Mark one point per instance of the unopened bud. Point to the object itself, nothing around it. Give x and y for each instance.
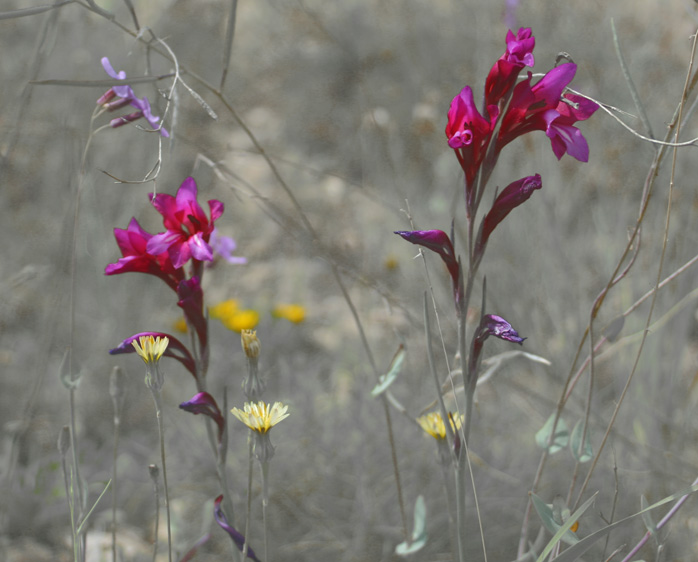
(250, 343)
(154, 472)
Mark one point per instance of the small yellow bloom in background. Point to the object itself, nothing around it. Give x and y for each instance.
(391, 263)
(294, 313)
(150, 348)
(223, 309)
(261, 417)
(433, 424)
(180, 325)
(241, 320)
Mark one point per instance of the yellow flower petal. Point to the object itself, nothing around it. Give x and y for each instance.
(180, 325)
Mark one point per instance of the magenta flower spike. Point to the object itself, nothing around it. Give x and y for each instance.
(188, 228)
(439, 242)
(502, 77)
(133, 242)
(204, 403)
(513, 195)
(175, 349)
(237, 537)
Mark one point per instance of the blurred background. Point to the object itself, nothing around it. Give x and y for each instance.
(349, 101)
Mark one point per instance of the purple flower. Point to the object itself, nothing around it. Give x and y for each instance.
(439, 242)
(125, 97)
(204, 403)
(175, 349)
(224, 246)
(492, 325)
(237, 537)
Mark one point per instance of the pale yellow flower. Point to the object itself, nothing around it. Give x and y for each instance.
(250, 343)
(150, 348)
(259, 416)
(433, 424)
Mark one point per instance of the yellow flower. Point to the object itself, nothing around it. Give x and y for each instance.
(150, 348)
(391, 263)
(261, 417)
(180, 325)
(223, 309)
(433, 424)
(241, 320)
(294, 313)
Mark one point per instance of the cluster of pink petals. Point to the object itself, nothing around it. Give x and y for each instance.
(187, 235)
(538, 107)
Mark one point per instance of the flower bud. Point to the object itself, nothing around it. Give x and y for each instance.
(250, 343)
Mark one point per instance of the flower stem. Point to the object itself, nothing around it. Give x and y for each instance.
(161, 431)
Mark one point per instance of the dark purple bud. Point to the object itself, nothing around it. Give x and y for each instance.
(439, 242)
(175, 349)
(511, 197)
(496, 326)
(237, 537)
(204, 403)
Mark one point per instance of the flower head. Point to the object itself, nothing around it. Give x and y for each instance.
(133, 242)
(261, 417)
(542, 107)
(150, 348)
(493, 325)
(250, 343)
(433, 424)
(188, 228)
(175, 348)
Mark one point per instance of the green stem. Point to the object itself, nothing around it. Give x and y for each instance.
(161, 430)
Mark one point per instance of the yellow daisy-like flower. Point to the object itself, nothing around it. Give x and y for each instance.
(294, 313)
(433, 424)
(261, 417)
(150, 348)
(223, 309)
(241, 320)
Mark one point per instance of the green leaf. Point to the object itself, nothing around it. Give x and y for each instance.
(575, 552)
(647, 517)
(87, 516)
(419, 533)
(384, 381)
(547, 515)
(587, 453)
(562, 435)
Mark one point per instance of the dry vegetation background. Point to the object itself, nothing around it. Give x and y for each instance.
(349, 99)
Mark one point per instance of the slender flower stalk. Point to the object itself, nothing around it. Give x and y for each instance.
(154, 473)
(151, 349)
(117, 391)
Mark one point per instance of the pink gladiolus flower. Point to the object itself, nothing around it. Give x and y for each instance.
(469, 133)
(133, 242)
(540, 108)
(491, 325)
(502, 77)
(188, 228)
